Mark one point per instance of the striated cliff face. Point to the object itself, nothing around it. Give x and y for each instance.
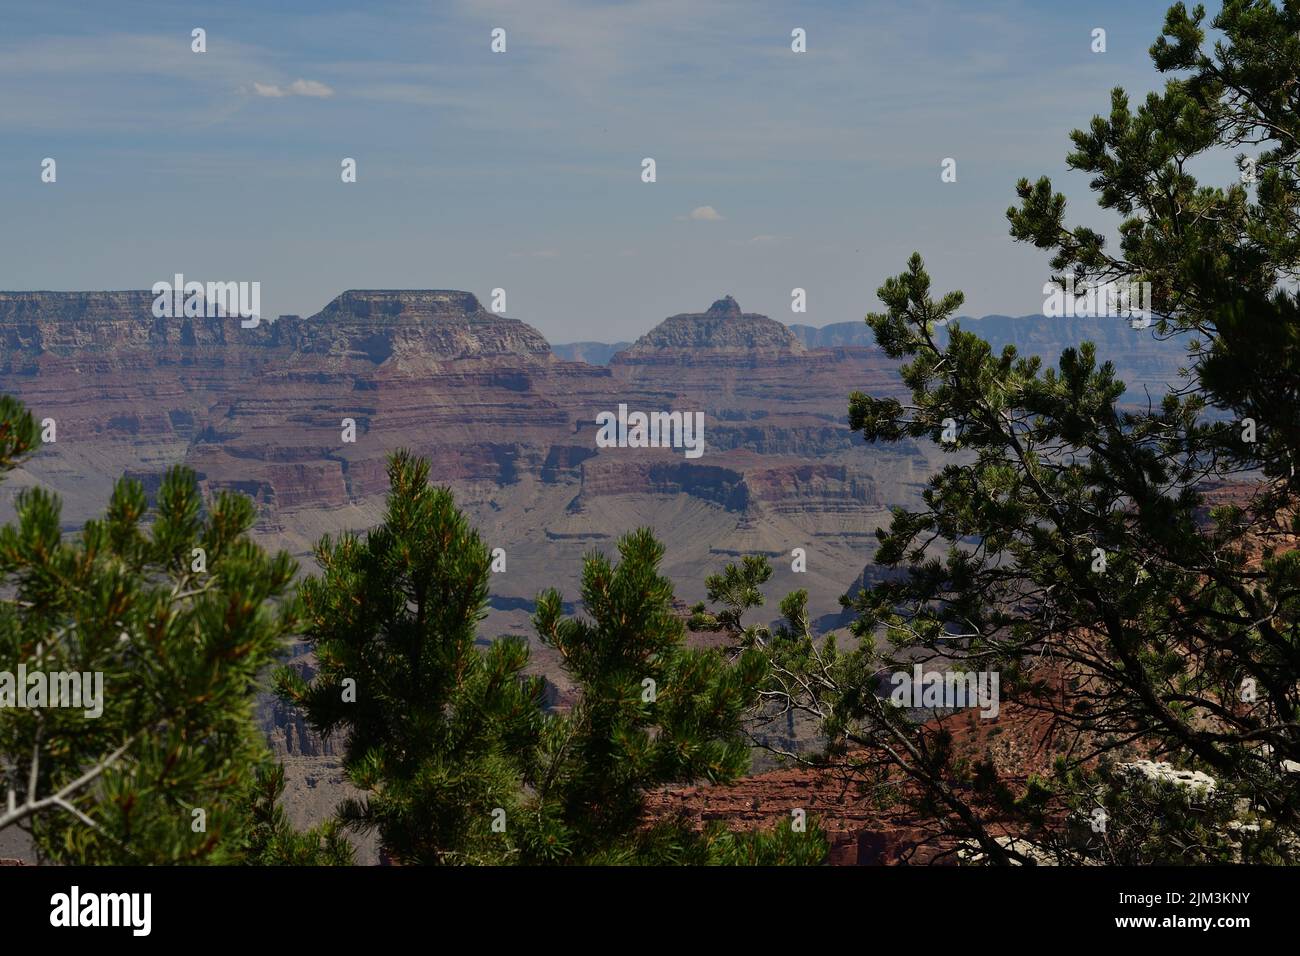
(745, 484)
(93, 323)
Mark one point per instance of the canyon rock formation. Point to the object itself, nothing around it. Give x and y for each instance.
(505, 420)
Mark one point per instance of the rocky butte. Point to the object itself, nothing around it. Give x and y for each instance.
(379, 325)
(722, 335)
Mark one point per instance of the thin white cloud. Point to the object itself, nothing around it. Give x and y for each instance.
(706, 214)
(312, 88)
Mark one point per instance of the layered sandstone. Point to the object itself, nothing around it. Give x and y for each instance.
(379, 325)
(94, 323)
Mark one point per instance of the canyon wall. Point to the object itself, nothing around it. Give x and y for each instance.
(511, 426)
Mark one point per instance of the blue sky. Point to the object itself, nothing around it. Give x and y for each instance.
(522, 170)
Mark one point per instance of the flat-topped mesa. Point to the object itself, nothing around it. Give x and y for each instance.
(66, 323)
(416, 323)
(722, 333)
(402, 306)
(370, 325)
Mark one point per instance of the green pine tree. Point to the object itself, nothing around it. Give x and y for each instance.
(433, 724)
(448, 735)
(271, 840)
(1069, 545)
(166, 617)
(651, 712)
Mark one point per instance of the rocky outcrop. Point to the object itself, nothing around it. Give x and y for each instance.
(722, 335)
(664, 475)
(378, 325)
(1157, 773)
(744, 483)
(869, 824)
(970, 853)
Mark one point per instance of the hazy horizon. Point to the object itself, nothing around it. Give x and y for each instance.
(789, 320)
(522, 170)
